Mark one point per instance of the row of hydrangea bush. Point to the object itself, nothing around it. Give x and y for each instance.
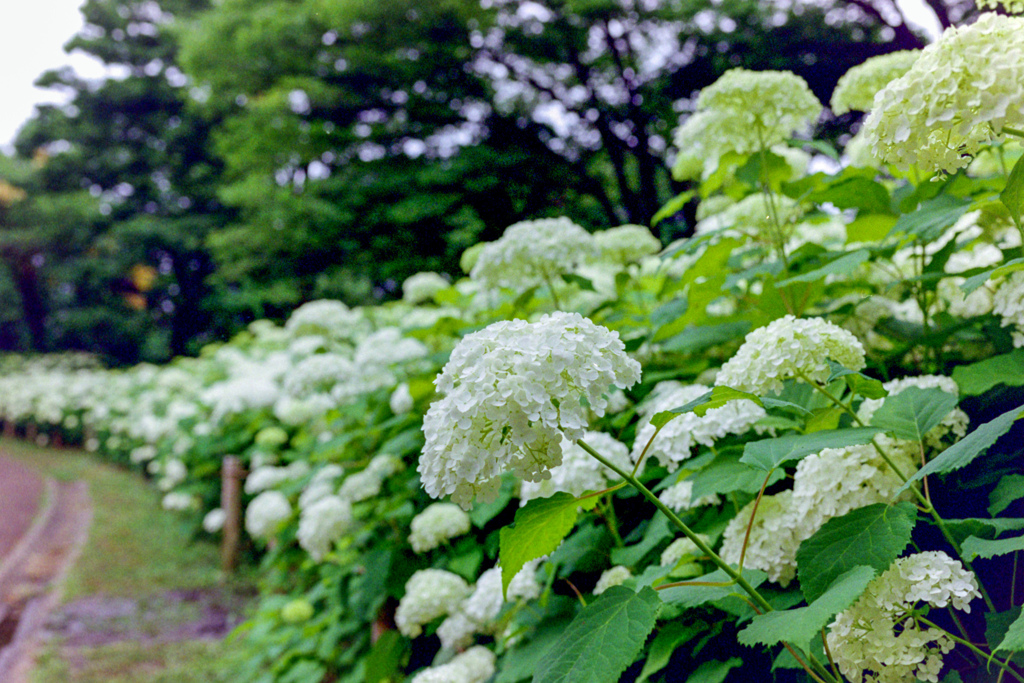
(785, 448)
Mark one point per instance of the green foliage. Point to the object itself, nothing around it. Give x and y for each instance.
(769, 454)
(1009, 489)
(603, 639)
(977, 378)
(984, 548)
(913, 413)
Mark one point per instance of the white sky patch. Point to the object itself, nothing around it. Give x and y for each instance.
(32, 36)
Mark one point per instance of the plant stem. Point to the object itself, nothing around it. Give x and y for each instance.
(974, 648)
(1013, 131)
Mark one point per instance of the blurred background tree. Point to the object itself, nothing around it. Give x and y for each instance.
(245, 156)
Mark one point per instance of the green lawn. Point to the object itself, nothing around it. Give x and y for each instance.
(136, 553)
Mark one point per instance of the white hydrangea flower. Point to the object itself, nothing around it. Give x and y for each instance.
(754, 217)
(429, 594)
(510, 392)
(478, 612)
(675, 442)
(214, 520)
(435, 525)
(680, 548)
(265, 513)
(323, 483)
(1008, 304)
(679, 497)
(857, 88)
(475, 665)
(790, 348)
(959, 94)
(270, 476)
(533, 253)
(422, 287)
(401, 400)
(322, 523)
(179, 502)
(579, 471)
(615, 576)
(876, 641)
(773, 538)
(626, 244)
(386, 347)
(328, 318)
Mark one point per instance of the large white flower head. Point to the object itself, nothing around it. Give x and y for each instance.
(1008, 304)
(790, 348)
(773, 538)
(322, 523)
(328, 318)
(679, 497)
(680, 548)
(266, 513)
(615, 576)
(510, 393)
(475, 665)
(478, 612)
(626, 244)
(533, 253)
(429, 594)
(960, 94)
(744, 112)
(579, 471)
(435, 525)
(857, 88)
(875, 640)
(675, 442)
(422, 287)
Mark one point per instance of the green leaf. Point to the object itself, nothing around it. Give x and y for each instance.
(1012, 195)
(1013, 641)
(768, 454)
(983, 548)
(960, 529)
(699, 337)
(975, 281)
(669, 637)
(385, 660)
(716, 398)
(539, 527)
(798, 626)
(859, 383)
(672, 206)
(603, 639)
(727, 474)
(657, 531)
(846, 263)
(932, 218)
(1009, 489)
(583, 283)
(913, 412)
(869, 228)
(967, 449)
(520, 662)
(874, 536)
(714, 671)
(784, 405)
(996, 626)
(977, 378)
(485, 512)
(694, 596)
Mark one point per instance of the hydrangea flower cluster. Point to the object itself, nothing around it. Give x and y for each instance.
(875, 640)
(751, 217)
(510, 393)
(679, 497)
(478, 612)
(322, 523)
(531, 253)
(674, 443)
(773, 543)
(789, 348)
(743, 111)
(368, 483)
(579, 472)
(960, 94)
(429, 594)
(613, 576)
(626, 244)
(422, 287)
(680, 548)
(1008, 303)
(857, 88)
(435, 525)
(475, 665)
(328, 318)
(265, 513)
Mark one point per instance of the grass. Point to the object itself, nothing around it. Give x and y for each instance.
(140, 555)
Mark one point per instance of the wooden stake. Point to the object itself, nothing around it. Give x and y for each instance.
(231, 503)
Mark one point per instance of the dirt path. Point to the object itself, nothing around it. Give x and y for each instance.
(21, 491)
(39, 556)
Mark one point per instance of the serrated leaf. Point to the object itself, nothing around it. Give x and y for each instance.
(932, 218)
(977, 378)
(996, 626)
(975, 281)
(694, 596)
(603, 639)
(961, 529)
(539, 527)
(873, 536)
(798, 626)
(1013, 641)
(784, 405)
(1009, 489)
(840, 266)
(1012, 195)
(967, 449)
(768, 454)
(983, 548)
(669, 637)
(714, 671)
(716, 398)
(727, 474)
(913, 412)
(858, 382)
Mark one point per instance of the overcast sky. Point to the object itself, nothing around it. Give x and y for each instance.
(32, 35)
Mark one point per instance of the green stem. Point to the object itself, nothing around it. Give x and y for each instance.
(1013, 131)
(974, 648)
(551, 288)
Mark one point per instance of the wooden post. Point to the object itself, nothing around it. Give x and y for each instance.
(231, 503)
(31, 432)
(9, 429)
(57, 440)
